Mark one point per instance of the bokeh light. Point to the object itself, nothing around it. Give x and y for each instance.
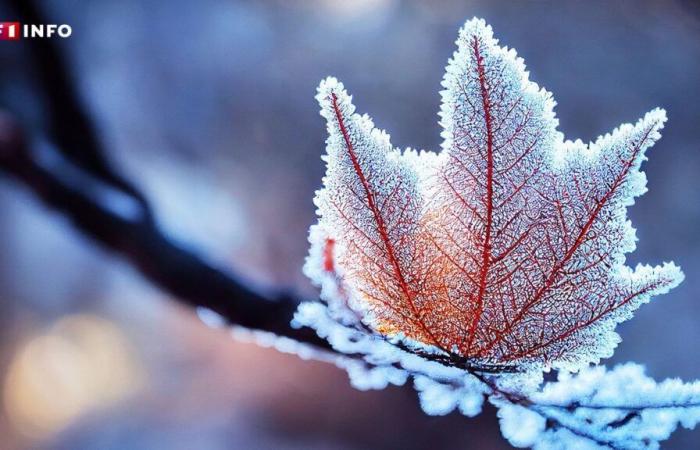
(82, 363)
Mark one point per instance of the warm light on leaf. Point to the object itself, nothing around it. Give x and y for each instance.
(504, 250)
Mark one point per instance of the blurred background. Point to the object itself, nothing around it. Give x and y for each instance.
(208, 108)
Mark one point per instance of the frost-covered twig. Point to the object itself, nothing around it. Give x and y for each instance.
(621, 407)
(504, 251)
(595, 408)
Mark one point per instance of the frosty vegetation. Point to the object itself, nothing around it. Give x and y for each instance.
(507, 248)
(473, 271)
(595, 408)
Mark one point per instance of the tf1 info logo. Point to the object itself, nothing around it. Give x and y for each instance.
(12, 31)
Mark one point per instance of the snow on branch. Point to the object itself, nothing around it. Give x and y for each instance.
(477, 269)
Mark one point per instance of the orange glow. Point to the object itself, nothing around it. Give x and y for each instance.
(82, 363)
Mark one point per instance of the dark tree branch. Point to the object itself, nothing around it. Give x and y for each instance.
(69, 189)
(74, 177)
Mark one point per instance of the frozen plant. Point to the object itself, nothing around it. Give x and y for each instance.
(476, 269)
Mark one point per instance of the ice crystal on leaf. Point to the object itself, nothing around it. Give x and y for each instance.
(476, 268)
(507, 248)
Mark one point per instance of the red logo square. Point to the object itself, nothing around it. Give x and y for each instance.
(10, 31)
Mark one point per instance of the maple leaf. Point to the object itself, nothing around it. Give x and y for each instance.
(504, 250)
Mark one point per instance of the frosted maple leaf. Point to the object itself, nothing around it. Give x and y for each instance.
(473, 270)
(504, 251)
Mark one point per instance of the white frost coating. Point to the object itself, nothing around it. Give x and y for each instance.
(371, 234)
(621, 408)
(438, 399)
(210, 318)
(391, 362)
(563, 183)
(363, 376)
(326, 280)
(441, 388)
(349, 340)
(519, 425)
(595, 408)
(371, 208)
(508, 247)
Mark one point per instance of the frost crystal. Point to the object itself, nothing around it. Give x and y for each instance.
(620, 408)
(506, 249)
(502, 256)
